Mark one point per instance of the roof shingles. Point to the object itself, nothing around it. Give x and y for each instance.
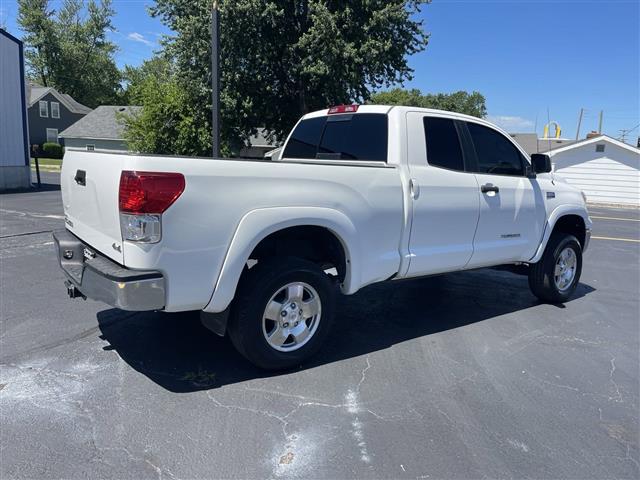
(36, 92)
(101, 123)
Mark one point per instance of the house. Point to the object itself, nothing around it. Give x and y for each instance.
(532, 144)
(605, 169)
(14, 134)
(102, 129)
(258, 145)
(50, 112)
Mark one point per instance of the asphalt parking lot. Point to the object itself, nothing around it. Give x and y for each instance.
(460, 376)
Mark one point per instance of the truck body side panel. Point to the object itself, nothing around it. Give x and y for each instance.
(198, 229)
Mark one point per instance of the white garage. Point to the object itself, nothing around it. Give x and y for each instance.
(605, 169)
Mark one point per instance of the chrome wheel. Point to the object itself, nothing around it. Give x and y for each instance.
(565, 269)
(291, 317)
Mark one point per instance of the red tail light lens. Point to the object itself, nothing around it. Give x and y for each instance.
(343, 109)
(149, 192)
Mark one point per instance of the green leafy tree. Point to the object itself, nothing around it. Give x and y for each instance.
(68, 48)
(281, 59)
(157, 68)
(168, 123)
(461, 102)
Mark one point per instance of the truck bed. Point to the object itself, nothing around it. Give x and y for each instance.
(232, 203)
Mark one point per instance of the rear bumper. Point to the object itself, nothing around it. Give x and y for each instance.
(95, 276)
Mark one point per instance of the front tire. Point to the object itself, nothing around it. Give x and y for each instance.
(555, 277)
(282, 312)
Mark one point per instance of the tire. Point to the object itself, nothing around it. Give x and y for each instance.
(542, 275)
(280, 342)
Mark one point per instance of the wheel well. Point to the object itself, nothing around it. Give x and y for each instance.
(573, 225)
(313, 243)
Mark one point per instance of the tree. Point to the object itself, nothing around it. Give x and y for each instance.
(281, 59)
(461, 102)
(182, 128)
(135, 78)
(68, 48)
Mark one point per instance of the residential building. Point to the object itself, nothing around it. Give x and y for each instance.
(532, 144)
(605, 169)
(51, 112)
(102, 129)
(258, 145)
(14, 148)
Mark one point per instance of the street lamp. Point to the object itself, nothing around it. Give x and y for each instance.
(215, 80)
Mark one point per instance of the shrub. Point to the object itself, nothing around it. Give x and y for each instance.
(52, 150)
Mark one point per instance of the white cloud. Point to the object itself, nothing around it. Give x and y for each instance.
(511, 124)
(138, 37)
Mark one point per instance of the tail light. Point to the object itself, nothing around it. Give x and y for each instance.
(143, 197)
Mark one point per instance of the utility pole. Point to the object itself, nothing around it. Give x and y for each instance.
(623, 135)
(626, 131)
(215, 80)
(600, 122)
(579, 124)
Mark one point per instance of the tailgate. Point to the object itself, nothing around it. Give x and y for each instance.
(90, 183)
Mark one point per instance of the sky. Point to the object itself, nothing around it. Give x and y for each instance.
(533, 60)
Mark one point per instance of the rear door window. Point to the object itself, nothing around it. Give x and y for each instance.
(495, 153)
(443, 144)
(360, 137)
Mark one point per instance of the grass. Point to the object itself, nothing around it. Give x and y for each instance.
(51, 164)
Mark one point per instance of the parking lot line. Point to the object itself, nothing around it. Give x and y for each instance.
(617, 218)
(617, 239)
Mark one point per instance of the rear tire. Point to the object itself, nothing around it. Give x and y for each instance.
(555, 277)
(282, 312)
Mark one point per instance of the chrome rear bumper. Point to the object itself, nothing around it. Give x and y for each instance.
(92, 275)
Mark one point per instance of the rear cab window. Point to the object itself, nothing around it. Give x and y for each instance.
(443, 144)
(349, 137)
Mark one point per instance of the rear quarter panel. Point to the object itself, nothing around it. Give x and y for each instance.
(198, 229)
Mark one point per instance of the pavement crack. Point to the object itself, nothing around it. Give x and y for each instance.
(618, 395)
(280, 394)
(32, 214)
(352, 400)
(363, 374)
(25, 234)
(66, 341)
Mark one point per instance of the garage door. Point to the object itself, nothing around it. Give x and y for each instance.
(605, 181)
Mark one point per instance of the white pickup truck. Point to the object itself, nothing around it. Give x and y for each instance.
(358, 195)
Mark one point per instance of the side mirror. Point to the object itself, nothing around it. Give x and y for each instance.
(541, 163)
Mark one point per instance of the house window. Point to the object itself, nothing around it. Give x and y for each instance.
(91, 148)
(44, 108)
(52, 135)
(55, 110)
(600, 148)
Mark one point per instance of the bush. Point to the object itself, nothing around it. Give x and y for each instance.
(52, 150)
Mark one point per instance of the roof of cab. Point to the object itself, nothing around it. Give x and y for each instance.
(385, 109)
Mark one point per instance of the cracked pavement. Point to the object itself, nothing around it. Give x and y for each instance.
(460, 376)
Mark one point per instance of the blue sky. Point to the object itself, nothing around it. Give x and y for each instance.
(525, 56)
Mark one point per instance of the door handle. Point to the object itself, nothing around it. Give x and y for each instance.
(489, 187)
(81, 177)
(414, 188)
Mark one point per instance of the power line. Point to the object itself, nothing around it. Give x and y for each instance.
(626, 131)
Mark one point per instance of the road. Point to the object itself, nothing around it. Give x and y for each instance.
(461, 376)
